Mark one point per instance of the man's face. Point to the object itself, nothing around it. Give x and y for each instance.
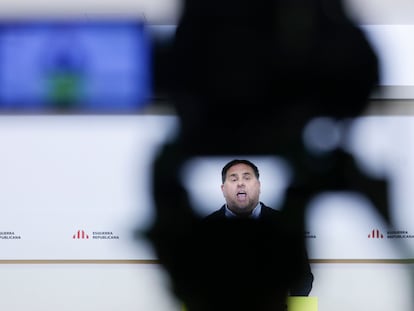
(241, 189)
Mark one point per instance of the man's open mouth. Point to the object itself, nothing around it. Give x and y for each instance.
(241, 195)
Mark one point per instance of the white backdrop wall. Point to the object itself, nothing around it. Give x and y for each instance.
(61, 175)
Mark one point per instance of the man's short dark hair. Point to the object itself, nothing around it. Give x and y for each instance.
(238, 161)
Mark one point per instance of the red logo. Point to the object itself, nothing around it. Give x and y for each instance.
(375, 234)
(80, 235)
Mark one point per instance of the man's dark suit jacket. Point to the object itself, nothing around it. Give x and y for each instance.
(287, 246)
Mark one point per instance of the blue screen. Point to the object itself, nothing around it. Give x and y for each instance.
(75, 66)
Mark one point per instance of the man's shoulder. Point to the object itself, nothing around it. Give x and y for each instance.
(269, 211)
(271, 214)
(218, 214)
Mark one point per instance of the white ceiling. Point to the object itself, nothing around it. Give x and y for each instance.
(167, 11)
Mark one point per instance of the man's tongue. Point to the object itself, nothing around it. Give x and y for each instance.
(241, 196)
